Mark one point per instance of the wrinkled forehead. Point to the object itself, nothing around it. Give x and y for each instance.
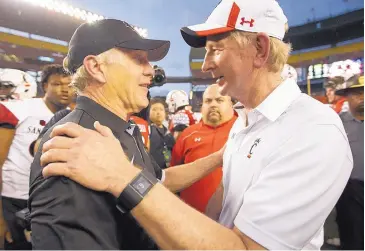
(218, 40)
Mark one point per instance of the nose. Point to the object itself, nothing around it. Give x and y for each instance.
(66, 88)
(148, 71)
(208, 64)
(214, 103)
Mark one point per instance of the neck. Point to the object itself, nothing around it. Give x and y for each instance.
(52, 106)
(112, 104)
(261, 87)
(158, 124)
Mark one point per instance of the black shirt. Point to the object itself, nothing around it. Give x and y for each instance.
(66, 215)
(159, 139)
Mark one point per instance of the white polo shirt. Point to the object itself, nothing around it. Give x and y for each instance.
(284, 172)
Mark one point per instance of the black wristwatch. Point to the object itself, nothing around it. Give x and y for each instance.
(135, 191)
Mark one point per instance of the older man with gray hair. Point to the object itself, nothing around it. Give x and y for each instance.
(112, 73)
(281, 174)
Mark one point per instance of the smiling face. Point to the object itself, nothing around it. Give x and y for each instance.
(247, 64)
(128, 74)
(229, 62)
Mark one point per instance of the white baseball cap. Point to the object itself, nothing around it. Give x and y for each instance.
(246, 15)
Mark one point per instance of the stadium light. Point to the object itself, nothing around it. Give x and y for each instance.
(62, 7)
(67, 9)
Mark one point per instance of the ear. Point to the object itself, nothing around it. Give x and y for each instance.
(94, 68)
(262, 50)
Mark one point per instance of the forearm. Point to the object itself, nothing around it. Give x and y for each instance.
(183, 176)
(175, 225)
(214, 207)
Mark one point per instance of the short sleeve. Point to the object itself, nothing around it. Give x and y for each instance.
(177, 155)
(289, 202)
(7, 118)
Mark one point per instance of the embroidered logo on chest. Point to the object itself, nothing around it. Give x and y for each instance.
(255, 144)
(197, 139)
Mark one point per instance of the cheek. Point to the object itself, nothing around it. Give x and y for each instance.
(205, 109)
(53, 90)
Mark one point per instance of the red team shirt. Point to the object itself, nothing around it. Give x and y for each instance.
(195, 142)
(338, 105)
(184, 117)
(143, 128)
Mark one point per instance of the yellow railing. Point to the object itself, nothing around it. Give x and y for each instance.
(27, 42)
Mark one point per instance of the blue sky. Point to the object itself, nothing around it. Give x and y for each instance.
(164, 18)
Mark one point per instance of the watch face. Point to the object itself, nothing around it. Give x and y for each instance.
(141, 184)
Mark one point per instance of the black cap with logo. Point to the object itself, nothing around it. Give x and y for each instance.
(100, 36)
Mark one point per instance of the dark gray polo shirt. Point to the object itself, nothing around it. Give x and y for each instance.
(355, 133)
(66, 215)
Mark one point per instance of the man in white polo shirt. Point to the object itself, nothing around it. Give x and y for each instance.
(281, 174)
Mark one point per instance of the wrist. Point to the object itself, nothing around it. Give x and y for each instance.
(135, 191)
(120, 182)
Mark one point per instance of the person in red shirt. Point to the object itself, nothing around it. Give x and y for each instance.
(144, 128)
(178, 106)
(202, 139)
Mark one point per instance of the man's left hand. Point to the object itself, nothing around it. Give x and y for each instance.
(95, 159)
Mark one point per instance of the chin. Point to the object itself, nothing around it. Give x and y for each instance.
(143, 103)
(64, 102)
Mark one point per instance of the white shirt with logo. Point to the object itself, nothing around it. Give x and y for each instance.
(284, 172)
(32, 115)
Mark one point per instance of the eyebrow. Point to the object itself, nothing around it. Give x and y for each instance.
(214, 44)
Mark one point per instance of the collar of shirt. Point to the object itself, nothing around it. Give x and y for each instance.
(274, 105)
(99, 113)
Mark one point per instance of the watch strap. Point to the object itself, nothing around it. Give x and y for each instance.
(135, 191)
